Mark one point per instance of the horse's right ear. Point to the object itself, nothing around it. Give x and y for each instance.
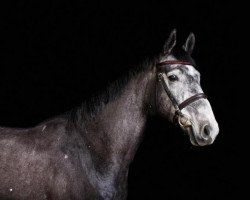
(170, 43)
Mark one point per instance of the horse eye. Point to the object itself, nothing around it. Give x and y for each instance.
(173, 78)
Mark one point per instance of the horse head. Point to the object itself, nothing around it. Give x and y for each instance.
(179, 96)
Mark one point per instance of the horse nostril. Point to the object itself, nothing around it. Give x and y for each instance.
(205, 134)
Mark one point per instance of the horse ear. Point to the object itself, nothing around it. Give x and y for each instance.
(170, 43)
(189, 44)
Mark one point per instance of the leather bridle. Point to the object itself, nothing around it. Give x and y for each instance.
(179, 118)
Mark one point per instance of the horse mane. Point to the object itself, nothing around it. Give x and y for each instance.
(90, 107)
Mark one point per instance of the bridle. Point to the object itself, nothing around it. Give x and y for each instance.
(179, 118)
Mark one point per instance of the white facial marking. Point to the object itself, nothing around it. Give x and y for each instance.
(66, 156)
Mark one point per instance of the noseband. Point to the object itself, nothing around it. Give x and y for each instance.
(179, 118)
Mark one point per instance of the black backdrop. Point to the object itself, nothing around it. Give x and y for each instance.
(55, 54)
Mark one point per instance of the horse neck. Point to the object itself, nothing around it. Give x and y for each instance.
(114, 134)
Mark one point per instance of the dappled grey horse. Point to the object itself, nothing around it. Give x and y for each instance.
(85, 153)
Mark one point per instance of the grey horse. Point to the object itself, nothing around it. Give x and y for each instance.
(85, 154)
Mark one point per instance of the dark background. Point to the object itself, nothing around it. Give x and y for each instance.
(56, 54)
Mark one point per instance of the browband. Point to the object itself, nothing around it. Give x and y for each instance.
(172, 62)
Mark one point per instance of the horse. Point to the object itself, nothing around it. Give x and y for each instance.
(85, 153)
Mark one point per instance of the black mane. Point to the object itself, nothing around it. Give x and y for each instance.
(89, 107)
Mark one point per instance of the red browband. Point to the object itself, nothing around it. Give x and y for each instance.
(172, 62)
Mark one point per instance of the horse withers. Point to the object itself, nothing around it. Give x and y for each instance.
(85, 154)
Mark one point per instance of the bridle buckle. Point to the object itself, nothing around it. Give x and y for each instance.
(184, 121)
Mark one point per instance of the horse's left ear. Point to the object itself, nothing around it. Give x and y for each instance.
(189, 44)
(170, 43)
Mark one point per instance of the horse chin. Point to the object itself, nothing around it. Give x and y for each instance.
(194, 138)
